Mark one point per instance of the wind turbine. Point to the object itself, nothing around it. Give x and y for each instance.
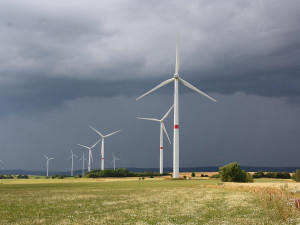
(114, 161)
(83, 158)
(71, 157)
(102, 144)
(47, 164)
(176, 108)
(162, 129)
(90, 153)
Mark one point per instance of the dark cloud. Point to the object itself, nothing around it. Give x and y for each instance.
(67, 64)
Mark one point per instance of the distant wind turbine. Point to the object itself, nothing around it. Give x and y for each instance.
(114, 161)
(47, 164)
(176, 108)
(102, 144)
(162, 129)
(71, 157)
(90, 153)
(83, 158)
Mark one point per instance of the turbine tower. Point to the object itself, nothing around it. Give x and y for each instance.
(114, 160)
(47, 164)
(83, 158)
(90, 153)
(162, 129)
(71, 157)
(176, 108)
(102, 144)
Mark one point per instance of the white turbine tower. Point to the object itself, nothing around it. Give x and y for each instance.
(83, 158)
(102, 144)
(162, 129)
(114, 161)
(47, 164)
(176, 108)
(71, 157)
(90, 153)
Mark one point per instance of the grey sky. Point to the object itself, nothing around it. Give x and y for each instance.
(68, 64)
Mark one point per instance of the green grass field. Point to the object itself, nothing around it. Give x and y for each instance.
(133, 201)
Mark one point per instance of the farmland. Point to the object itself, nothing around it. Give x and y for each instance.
(149, 201)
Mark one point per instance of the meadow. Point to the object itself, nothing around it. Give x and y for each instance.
(149, 201)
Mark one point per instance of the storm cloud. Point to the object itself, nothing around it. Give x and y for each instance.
(59, 55)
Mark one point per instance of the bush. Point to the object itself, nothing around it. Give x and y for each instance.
(278, 175)
(78, 176)
(233, 173)
(296, 176)
(193, 174)
(60, 177)
(215, 176)
(22, 177)
(54, 176)
(259, 174)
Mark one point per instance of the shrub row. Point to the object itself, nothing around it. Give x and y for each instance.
(6, 176)
(278, 175)
(121, 172)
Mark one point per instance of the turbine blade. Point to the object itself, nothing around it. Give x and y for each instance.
(113, 155)
(111, 133)
(177, 56)
(95, 144)
(84, 146)
(75, 156)
(117, 159)
(152, 119)
(96, 131)
(45, 156)
(157, 87)
(165, 130)
(51, 158)
(92, 156)
(195, 89)
(112, 162)
(165, 116)
(69, 157)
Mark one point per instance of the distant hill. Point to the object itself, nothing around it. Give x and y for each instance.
(133, 169)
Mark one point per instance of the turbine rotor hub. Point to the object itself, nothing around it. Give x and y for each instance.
(176, 76)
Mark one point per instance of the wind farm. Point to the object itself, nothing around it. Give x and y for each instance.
(157, 112)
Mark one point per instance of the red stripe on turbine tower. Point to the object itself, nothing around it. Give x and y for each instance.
(102, 158)
(161, 147)
(176, 126)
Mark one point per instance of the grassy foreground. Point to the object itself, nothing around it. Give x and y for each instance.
(133, 201)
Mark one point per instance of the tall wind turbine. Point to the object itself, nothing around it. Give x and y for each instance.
(176, 108)
(71, 157)
(83, 158)
(90, 153)
(102, 144)
(162, 129)
(114, 160)
(47, 164)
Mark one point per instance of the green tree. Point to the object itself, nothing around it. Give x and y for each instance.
(233, 173)
(193, 174)
(296, 176)
(259, 174)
